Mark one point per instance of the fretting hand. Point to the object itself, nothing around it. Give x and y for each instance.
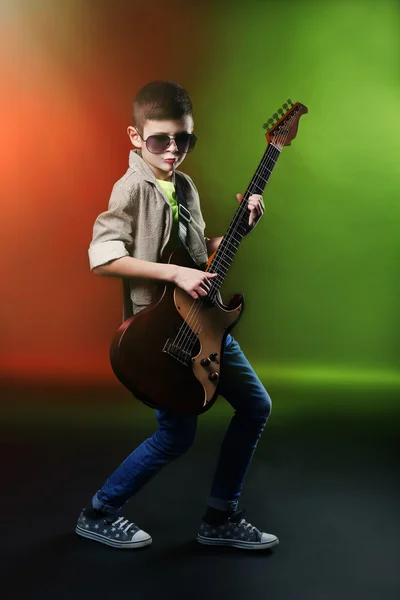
(256, 207)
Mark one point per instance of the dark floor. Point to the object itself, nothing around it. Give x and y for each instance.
(326, 483)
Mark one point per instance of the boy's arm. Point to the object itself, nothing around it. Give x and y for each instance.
(109, 251)
(193, 281)
(128, 267)
(113, 232)
(133, 267)
(212, 244)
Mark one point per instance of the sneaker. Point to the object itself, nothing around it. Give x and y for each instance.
(237, 532)
(112, 530)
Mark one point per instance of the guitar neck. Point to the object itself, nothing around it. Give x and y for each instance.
(239, 225)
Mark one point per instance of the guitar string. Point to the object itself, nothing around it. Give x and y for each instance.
(190, 326)
(189, 335)
(266, 161)
(237, 222)
(195, 307)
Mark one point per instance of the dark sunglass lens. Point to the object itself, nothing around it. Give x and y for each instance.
(157, 143)
(185, 142)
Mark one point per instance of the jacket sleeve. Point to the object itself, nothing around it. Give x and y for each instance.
(113, 229)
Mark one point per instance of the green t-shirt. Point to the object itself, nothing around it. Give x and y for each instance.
(169, 190)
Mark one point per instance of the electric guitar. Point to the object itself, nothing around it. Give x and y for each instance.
(170, 355)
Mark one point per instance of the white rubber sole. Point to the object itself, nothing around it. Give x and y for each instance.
(236, 543)
(97, 537)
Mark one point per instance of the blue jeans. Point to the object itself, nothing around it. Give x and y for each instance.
(240, 386)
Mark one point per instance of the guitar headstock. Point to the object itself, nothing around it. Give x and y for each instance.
(282, 126)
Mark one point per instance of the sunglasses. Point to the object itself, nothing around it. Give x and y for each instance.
(157, 144)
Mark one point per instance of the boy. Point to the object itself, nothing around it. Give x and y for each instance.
(143, 219)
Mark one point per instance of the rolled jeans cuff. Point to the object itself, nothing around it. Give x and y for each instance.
(220, 504)
(105, 508)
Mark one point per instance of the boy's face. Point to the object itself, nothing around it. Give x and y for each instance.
(157, 162)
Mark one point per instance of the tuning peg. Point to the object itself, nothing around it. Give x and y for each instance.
(276, 116)
(285, 106)
(280, 111)
(290, 102)
(268, 124)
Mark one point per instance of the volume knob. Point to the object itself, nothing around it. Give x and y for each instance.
(205, 362)
(213, 376)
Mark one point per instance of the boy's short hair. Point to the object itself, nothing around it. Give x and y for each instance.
(160, 100)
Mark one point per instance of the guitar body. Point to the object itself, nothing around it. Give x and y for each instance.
(157, 364)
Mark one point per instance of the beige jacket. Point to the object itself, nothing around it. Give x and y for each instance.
(138, 223)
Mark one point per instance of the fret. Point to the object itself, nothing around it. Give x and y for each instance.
(219, 280)
(258, 187)
(232, 229)
(224, 255)
(265, 172)
(272, 145)
(241, 235)
(218, 283)
(242, 226)
(240, 216)
(231, 243)
(239, 225)
(263, 178)
(218, 260)
(235, 239)
(231, 239)
(264, 168)
(221, 267)
(222, 261)
(230, 251)
(234, 243)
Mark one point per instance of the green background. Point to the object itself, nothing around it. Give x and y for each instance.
(321, 271)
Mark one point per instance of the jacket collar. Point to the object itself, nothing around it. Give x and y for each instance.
(139, 164)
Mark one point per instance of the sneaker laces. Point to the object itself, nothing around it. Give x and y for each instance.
(239, 518)
(121, 522)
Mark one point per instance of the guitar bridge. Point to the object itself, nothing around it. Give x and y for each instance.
(178, 353)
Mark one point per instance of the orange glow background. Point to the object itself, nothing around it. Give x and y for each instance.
(67, 70)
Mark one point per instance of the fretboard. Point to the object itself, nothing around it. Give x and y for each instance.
(239, 225)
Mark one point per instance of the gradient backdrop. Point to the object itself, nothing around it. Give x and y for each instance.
(321, 271)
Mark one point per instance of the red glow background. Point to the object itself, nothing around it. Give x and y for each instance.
(67, 72)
